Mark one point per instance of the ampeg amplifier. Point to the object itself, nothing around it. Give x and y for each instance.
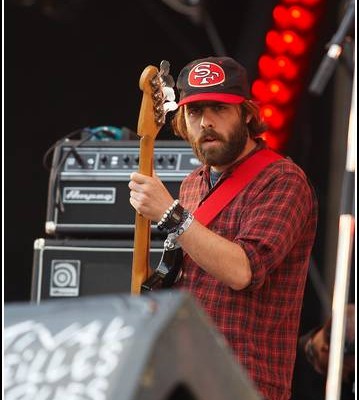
(88, 191)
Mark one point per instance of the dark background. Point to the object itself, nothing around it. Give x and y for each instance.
(73, 64)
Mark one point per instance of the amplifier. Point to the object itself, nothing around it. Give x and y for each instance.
(88, 190)
(84, 267)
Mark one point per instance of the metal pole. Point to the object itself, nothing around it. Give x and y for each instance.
(335, 49)
(343, 263)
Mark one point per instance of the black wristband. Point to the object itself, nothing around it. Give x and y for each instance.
(174, 218)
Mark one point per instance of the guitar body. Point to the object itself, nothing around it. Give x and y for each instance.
(167, 272)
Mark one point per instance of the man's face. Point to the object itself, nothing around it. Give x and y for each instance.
(216, 132)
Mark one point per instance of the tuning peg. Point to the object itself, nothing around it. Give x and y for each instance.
(170, 106)
(168, 80)
(169, 93)
(164, 67)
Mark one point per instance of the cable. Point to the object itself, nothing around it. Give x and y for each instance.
(55, 176)
(52, 147)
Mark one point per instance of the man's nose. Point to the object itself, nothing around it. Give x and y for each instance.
(207, 120)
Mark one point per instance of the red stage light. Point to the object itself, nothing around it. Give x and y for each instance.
(280, 66)
(295, 45)
(294, 17)
(301, 18)
(286, 67)
(275, 140)
(281, 94)
(273, 91)
(272, 116)
(281, 17)
(307, 3)
(268, 68)
(285, 42)
(260, 91)
(272, 140)
(275, 42)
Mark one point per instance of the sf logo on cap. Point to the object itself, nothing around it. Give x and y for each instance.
(206, 74)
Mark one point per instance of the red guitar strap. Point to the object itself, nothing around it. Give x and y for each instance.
(239, 179)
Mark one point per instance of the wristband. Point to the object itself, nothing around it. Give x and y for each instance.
(172, 217)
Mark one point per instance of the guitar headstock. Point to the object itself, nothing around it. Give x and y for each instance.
(158, 98)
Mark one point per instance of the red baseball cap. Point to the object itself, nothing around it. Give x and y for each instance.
(219, 79)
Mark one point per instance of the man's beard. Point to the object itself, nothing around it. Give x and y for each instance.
(224, 153)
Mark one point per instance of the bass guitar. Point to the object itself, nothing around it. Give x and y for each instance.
(157, 99)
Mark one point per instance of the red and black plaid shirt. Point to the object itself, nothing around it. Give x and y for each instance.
(274, 220)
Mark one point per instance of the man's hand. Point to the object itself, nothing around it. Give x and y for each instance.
(148, 196)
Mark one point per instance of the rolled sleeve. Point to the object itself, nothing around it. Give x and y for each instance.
(272, 224)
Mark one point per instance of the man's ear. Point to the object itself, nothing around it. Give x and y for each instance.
(249, 118)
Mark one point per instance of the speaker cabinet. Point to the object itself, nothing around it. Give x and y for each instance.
(76, 268)
(159, 346)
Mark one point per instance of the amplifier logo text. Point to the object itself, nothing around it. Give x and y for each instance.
(89, 195)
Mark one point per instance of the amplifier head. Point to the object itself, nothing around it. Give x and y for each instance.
(88, 187)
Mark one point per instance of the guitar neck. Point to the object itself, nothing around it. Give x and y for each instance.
(140, 262)
(152, 116)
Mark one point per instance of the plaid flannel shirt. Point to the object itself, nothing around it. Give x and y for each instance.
(274, 220)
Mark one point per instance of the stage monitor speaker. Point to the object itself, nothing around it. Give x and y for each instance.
(80, 267)
(159, 346)
(88, 193)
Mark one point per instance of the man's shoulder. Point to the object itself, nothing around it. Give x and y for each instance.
(287, 174)
(287, 165)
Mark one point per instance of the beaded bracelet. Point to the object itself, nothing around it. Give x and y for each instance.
(171, 217)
